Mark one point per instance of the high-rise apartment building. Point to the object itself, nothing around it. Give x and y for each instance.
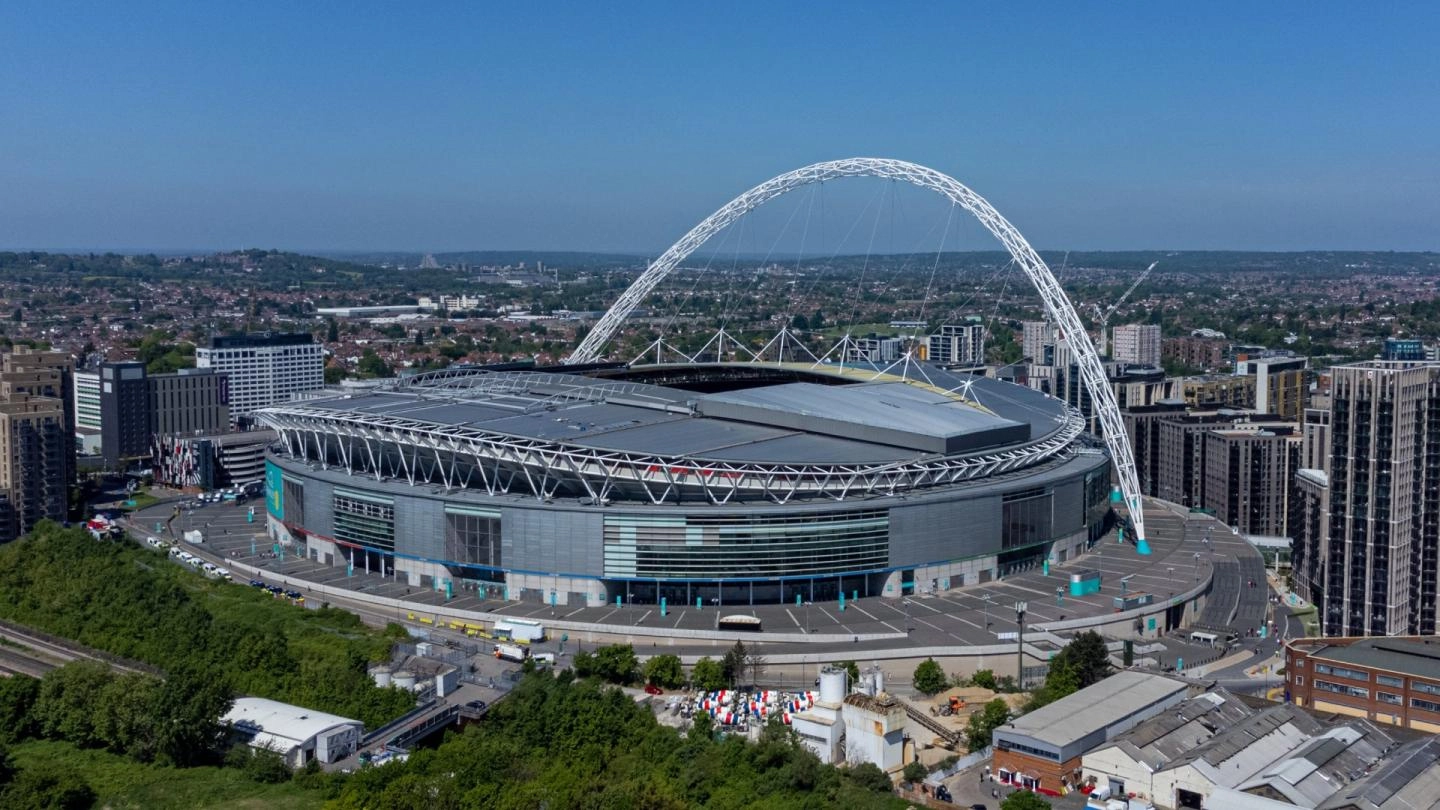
(1034, 336)
(1199, 353)
(1137, 343)
(1279, 384)
(135, 407)
(47, 374)
(875, 349)
(265, 368)
(36, 454)
(87, 412)
(190, 402)
(957, 345)
(87, 400)
(1373, 568)
(124, 412)
(1249, 472)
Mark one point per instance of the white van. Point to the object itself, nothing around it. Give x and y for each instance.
(176, 553)
(208, 568)
(223, 573)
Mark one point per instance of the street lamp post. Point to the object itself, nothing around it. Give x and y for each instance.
(986, 599)
(1020, 644)
(906, 603)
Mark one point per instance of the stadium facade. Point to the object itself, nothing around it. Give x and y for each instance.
(725, 484)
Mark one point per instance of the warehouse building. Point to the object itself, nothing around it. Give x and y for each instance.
(299, 734)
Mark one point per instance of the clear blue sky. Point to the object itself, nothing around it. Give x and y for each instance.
(309, 125)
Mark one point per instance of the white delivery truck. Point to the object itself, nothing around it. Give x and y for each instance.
(511, 652)
(194, 536)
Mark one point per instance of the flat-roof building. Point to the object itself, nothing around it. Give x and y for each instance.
(295, 732)
(1388, 680)
(1041, 751)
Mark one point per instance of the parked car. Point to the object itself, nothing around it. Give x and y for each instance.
(652, 689)
(477, 705)
(223, 573)
(294, 594)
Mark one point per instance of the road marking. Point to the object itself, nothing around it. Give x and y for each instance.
(792, 617)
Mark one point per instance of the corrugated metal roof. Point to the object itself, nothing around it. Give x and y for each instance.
(1095, 707)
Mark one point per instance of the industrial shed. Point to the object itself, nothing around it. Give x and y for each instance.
(297, 733)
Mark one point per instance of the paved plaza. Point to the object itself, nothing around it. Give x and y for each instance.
(1186, 550)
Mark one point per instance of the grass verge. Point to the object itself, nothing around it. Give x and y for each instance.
(123, 784)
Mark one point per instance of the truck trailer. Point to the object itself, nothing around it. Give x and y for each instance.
(511, 652)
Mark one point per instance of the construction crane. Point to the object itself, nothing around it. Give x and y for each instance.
(1100, 342)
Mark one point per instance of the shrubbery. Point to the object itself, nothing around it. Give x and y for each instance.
(130, 602)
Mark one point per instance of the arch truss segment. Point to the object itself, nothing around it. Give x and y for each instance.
(1057, 305)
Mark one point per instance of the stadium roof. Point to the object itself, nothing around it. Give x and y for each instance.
(797, 422)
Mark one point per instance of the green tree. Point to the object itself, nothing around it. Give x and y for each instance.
(853, 671)
(371, 365)
(1024, 800)
(47, 788)
(69, 703)
(7, 767)
(708, 675)
(615, 663)
(664, 670)
(929, 678)
(18, 695)
(869, 776)
(334, 374)
(915, 772)
(985, 679)
(1089, 657)
(733, 664)
(977, 732)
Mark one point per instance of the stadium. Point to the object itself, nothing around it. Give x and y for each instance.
(693, 483)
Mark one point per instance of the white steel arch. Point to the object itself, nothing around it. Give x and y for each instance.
(1057, 305)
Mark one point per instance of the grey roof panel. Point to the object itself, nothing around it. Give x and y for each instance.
(885, 413)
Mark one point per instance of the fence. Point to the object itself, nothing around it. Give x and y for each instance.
(970, 760)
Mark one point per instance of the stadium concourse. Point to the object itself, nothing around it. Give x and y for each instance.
(1191, 554)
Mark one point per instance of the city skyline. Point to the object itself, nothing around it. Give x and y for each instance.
(574, 129)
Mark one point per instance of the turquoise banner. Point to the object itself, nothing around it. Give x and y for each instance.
(274, 491)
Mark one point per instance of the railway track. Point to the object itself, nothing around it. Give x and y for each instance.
(47, 652)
